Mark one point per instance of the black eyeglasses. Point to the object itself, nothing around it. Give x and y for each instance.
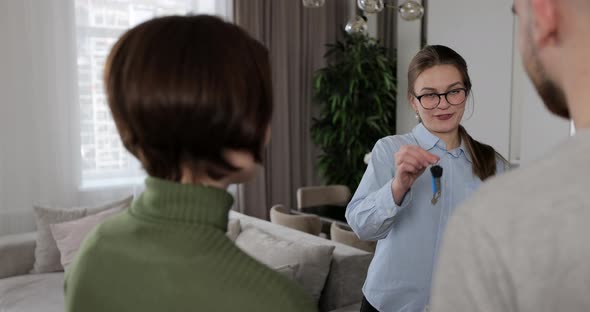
(432, 100)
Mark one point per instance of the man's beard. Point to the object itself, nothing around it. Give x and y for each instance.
(551, 93)
(553, 96)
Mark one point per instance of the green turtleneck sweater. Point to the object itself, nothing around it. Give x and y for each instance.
(169, 252)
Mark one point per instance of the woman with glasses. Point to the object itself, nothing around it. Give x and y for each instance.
(415, 180)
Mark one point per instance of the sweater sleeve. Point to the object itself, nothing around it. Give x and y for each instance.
(471, 275)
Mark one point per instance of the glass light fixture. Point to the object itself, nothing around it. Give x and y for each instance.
(411, 10)
(313, 3)
(356, 25)
(371, 6)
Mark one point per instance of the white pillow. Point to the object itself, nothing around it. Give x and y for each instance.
(313, 260)
(70, 235)
(47, 256)
(233, 229)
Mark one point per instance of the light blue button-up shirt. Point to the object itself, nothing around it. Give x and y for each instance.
(409, 236)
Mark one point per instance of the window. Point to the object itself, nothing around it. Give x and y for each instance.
(99, 23)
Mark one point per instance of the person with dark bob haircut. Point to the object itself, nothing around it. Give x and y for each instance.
(191, 97)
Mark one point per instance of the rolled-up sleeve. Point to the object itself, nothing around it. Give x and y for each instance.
(372, 210)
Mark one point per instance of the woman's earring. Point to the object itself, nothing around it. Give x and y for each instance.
(417, 116)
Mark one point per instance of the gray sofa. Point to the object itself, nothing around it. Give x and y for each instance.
(24, 292)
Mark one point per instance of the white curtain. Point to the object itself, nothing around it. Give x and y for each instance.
(40, 143)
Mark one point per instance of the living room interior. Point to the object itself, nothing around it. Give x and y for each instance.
(62, 160)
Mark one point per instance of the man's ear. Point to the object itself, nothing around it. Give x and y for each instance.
(544, 19)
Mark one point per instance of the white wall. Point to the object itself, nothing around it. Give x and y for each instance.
(408, 44)
(481, 31)
(535, 131)
(509, 115)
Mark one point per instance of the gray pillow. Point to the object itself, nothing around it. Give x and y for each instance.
(47, 256)
(288, 270)
(313, 261)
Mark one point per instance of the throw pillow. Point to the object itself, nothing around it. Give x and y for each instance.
(70, 235)
(288, 270)
(233, 229)
(313, 260)
(47, 256)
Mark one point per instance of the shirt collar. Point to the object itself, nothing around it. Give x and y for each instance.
(428, 141)
(463, 149)
(425, 138)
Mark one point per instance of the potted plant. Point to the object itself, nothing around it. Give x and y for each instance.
(356, 94)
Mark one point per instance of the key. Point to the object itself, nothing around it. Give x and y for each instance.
(434, 200)
(436, 195)
(436, 172)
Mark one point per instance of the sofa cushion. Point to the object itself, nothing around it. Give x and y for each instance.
(347, 272)
(17, 254)
(233, 229)
(32, 292)
(70, 235)
(47, 256)
(288, 270)
(313, 260)
(351, 308)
